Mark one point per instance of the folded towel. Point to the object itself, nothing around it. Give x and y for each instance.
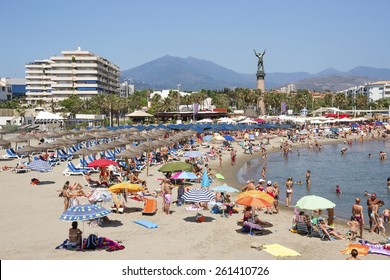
(146, 223)
(278, 250)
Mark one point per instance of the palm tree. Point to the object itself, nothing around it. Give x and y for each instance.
(361, 101)
(341, 100)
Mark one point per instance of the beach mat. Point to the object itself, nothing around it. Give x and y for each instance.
(145, 223)
(278, 250)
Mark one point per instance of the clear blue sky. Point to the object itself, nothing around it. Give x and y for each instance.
(301, 35)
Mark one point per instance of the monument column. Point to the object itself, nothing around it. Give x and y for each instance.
(260, 75)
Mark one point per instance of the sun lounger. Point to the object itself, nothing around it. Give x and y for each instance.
(11, 154)
(72, 171)
(150, 207)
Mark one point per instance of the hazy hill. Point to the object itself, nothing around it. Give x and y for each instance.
(194, 74)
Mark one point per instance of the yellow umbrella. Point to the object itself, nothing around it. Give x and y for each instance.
(127, 186)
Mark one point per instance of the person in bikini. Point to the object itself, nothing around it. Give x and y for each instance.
(75, 234)
(289, 191)
(357, 212)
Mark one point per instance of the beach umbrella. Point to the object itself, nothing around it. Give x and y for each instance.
(224, 188)
(255, 198)
(198, 195)
(193, 154)
(40, 166)
(205, 183)
(27, 150)
(208, 138)
(102, 163)
(83, 213)
(228, 138)
(100, 195)
(313, 202)
(83, 152)
(4, 143)
(185, 175)
(175, 166)
(127, 186)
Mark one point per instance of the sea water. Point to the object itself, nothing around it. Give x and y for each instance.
(355, 172)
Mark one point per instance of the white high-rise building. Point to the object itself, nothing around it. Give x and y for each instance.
(74, 72)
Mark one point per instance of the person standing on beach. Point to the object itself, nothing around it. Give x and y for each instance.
(289, 191)
(357, 212)
(220, 159)
(276, 197)
(370, 203)
(167, 195)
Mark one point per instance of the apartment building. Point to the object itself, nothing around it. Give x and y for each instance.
(374, 91)
(74, 72)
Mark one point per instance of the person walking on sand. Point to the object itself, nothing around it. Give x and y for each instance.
(357, 212)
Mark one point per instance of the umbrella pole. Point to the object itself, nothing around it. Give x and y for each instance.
(82, 243)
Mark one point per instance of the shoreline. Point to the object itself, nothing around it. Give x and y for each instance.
(231, 178)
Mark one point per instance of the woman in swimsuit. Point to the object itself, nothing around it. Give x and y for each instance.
(276, 197)
(289, 191)
(357, 212)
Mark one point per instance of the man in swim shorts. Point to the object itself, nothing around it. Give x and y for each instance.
(357, 212)
(371, 201)
(167, 195)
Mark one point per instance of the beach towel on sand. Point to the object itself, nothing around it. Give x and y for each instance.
(102, 244)
(362, 249)
(278, 250)
(146, 223)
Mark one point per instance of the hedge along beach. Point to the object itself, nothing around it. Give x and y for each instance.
(32, 229)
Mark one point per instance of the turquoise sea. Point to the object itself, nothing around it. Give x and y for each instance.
(355, 172)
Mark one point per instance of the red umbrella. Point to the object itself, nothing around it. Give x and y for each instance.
(258, 120)
(102, 163)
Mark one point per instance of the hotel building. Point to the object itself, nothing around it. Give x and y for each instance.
(74, 72)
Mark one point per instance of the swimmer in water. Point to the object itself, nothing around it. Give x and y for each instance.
(366, 193)
(338, 190)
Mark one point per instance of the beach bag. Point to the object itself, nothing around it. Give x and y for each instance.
(91, 242)
(199, 218)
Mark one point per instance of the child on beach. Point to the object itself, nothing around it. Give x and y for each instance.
(354, 225)
(386, 213)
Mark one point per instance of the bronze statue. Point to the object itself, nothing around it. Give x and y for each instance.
(260, 65)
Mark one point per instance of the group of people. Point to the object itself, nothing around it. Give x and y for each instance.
(376, 219)
(70, 193)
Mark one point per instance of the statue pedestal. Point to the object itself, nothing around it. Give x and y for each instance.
(261, 86)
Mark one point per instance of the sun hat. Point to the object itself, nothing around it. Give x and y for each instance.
(261, 180)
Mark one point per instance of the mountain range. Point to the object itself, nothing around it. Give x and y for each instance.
(192, 74)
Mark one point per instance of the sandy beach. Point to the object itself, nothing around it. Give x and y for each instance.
(32, 229)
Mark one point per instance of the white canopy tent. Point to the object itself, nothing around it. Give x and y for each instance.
(47, 117)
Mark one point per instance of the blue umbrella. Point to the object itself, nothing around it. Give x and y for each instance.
(84, 212)
(40, 166)
(228, 138)
(205, 179)
(224, 188)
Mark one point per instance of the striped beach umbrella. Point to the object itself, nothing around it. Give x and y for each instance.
(40, 166)
(84, 212)
(198, 195)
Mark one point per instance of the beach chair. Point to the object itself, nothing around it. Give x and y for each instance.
(63, 157)
(72, 171)
(19, 170)
(150, 207)
(11, 154)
